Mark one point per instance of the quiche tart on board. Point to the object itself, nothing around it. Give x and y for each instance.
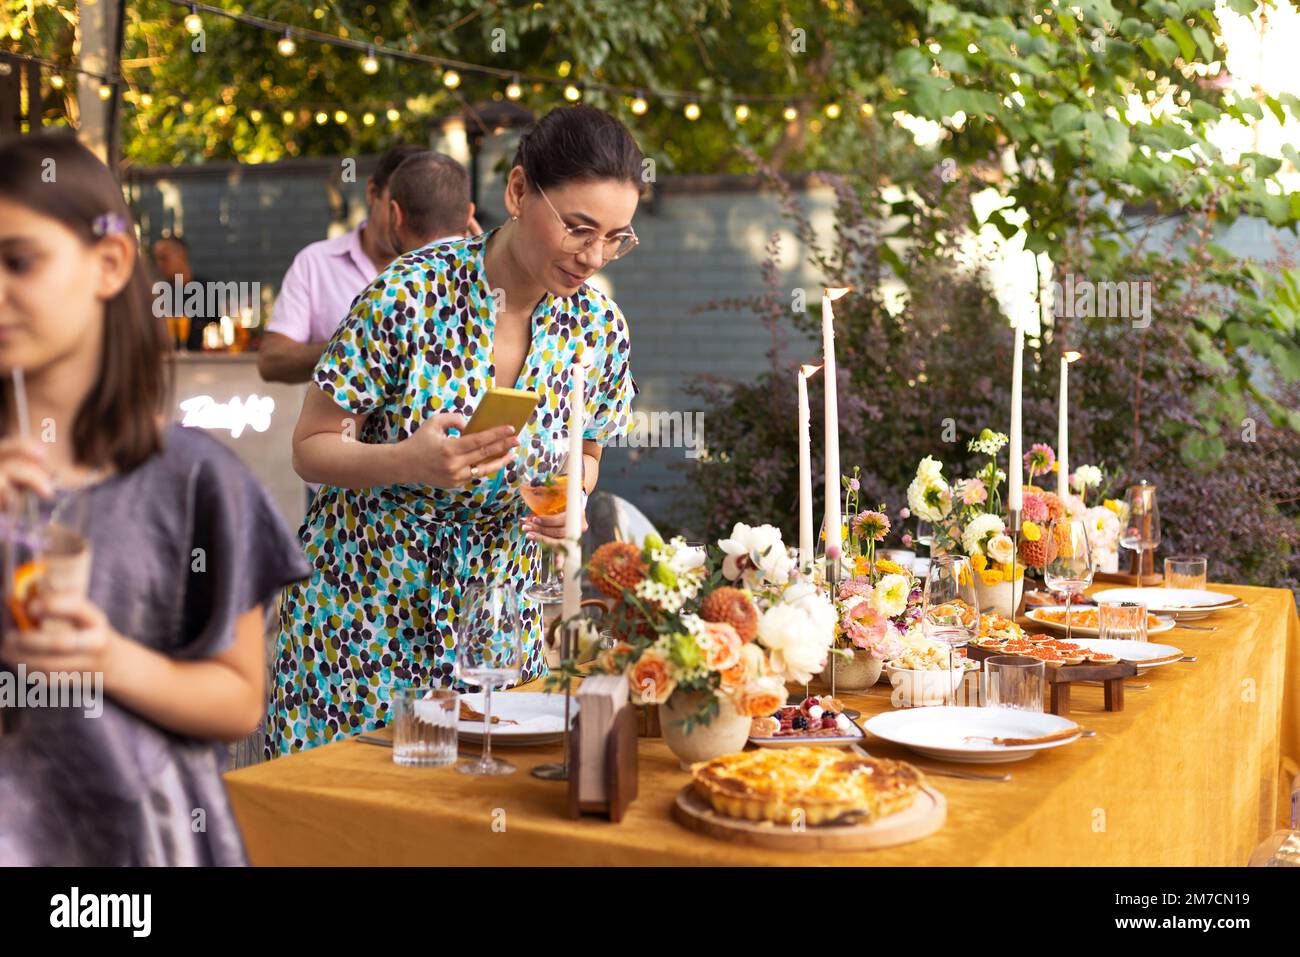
(821, 784)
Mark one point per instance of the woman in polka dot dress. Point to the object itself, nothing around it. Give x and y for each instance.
(411, 514)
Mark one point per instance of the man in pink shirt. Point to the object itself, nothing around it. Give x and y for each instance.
(325, 277)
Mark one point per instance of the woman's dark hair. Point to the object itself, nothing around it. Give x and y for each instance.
(578, 143)
(54, 175)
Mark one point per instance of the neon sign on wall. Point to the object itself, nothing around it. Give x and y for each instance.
(205, 412)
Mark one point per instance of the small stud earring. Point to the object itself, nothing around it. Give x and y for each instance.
(514, 219)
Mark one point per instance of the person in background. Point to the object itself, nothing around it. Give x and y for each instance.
(171, 257)
(185, 548)
(429, 201)
(324, 278)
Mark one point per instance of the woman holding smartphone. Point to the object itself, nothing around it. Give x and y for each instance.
(411, 514)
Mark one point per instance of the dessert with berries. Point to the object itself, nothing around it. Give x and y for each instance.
(816, 717)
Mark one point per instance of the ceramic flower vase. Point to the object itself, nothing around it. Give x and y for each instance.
(999, 598)
(852, 674)
(725, 734)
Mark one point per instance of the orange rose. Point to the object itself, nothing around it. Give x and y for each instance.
(721, 645)
(605, 660)
(648, 679)
(759, 697)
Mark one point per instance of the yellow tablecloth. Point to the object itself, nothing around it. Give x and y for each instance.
(1191, 772)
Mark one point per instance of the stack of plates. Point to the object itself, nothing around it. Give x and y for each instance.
(540, 718)
(1184, 604)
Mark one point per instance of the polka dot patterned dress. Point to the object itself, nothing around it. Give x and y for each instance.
(391, 563)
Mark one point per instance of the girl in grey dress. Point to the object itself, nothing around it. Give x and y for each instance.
(187, 548)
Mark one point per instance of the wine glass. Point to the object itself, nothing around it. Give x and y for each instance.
(1071, 570)
(544, 484)
(1141, 525)
(489, 654)
(950, 611)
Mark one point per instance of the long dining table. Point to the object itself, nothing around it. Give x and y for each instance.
(1195, 770)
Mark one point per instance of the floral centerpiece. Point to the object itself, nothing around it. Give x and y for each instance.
(714, 646)
(967, 520)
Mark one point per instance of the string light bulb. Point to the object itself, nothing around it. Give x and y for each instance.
(255, 116)
(867, 109)
(393, 115)
(146, 99)
(789, 114)
(370, 63)
(340, 117)
(572, 93)
(742, 113)
(832, 111)
(286, 45)
(56, 81)
(692, 111)
(288, 117)
(105, 91)
(368, 119)
(451, 79)
(322, 118)
(639, 105)
(513, 90)
(194, 22)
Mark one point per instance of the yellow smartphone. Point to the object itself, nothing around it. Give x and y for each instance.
(502, 407)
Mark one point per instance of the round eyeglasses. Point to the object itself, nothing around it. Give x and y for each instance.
(580, 238)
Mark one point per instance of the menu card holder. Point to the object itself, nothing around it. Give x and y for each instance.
(617, 769)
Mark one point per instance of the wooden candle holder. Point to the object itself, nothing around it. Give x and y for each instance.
(620, 768)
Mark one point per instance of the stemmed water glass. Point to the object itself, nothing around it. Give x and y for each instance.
(1141, 525)
(1071, 570)
(489, 654)
(544, 484)
(950, 611)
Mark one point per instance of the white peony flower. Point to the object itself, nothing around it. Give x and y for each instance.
(797, 640)
(685, 559)
(756, 556)
(1086, 476)
(980, 527)
(1002, 549)
(890, 595)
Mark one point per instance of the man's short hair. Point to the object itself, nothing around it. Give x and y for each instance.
(392, 158)
(432, 190)
(173, 238)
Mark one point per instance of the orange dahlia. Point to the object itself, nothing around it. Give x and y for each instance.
(616, 566)
(731, 606)
(1038, 554)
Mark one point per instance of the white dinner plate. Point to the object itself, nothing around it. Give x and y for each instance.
(1144, 654)
(1078, 631)
(540, 717)
(1184, 604)
(940, 732)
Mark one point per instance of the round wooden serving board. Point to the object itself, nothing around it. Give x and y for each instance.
(920, 820)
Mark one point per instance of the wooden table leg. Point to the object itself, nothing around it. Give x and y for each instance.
(1115, 694)
(1061, 698)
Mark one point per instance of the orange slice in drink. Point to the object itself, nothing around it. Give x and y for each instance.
(26, 577)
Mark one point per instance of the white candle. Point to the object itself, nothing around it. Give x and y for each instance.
(1015, 457)
(573, 501)
(806, 552)
(834, 541)
(1063, 429)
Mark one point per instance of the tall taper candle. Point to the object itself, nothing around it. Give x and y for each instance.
(834, 540)
(807, 554)
(1063, 428)
(1015, 449)
(573, 502)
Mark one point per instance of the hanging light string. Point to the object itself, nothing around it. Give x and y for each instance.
(56, 68)
(290, 34)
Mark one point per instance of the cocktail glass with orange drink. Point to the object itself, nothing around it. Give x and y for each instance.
(544, 485)
(48, 555)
